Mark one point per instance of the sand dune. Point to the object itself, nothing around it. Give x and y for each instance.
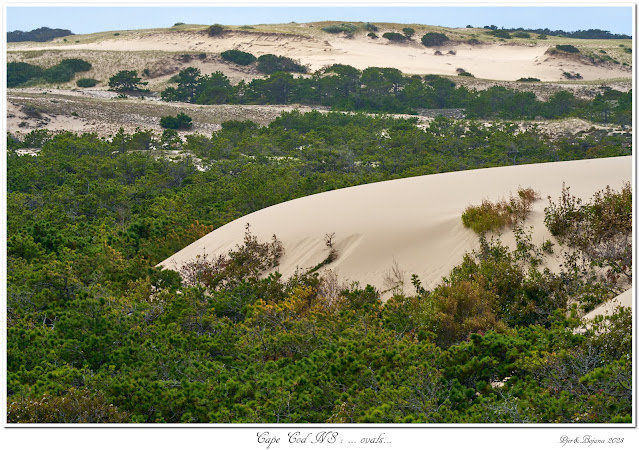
(623, 299)
(413, 222)
(487, 61)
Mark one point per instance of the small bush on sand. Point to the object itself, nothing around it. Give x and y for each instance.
(392, 36)
(434, 39)
(491, 216)
(567, 48)
(215, 30)
(238, 57)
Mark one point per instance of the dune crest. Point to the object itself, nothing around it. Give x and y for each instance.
(413, 222)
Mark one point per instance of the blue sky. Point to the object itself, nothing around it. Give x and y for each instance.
(83, 19)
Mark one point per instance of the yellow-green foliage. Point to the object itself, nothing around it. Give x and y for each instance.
(493, 216)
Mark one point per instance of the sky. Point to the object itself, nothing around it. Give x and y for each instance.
(89, 19)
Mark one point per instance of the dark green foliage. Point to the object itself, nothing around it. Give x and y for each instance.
(392, 36)
(372, 35)
(579, 34)
(502, 34)
(567, 48)
(58, 74)
(238, 57)
(521, 35)
(370, 27)
(86, 82)
(408, 32)
(76, 64)
(529, 80)
(20, 72)
(179, 122)
(433, 39)
(38, 35)
(216, 30)
(126, 81)
(379, 89)
(348, 28)
(270, 64)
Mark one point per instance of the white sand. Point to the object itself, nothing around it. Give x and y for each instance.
(624, 299)
(488, 61)
(414, 221)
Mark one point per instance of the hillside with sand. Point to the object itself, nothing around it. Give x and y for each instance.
(407, 226)
(162, 51)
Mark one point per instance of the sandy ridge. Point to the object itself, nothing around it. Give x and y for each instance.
(415, 222)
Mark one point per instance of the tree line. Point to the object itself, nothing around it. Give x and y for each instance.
(387, 90)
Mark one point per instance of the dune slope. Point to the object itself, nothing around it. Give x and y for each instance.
(491, 61)
(413, 223)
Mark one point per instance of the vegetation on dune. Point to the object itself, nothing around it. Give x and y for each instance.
(493, 216)
(567, 48)
(20, 73)
(86, 82)
(238, 57)
(433, 39)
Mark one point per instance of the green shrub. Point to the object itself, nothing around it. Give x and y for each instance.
(502, 34)
(238, 57)
(179, 122)
(567, 48)
(491, 216)
(269, 64)
(86, 82)
(370, 27)
(20, 72)
(521, 34)
(177, 24)
(434, 39)
(58, 74)
(408, 32)
(76, 64)
(372, 35)
(392, 36)
(543, 37)
(348, 28)
(215, 30)
(529, 80)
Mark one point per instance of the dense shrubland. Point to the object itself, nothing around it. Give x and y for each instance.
(97, 333)
(21, 73)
